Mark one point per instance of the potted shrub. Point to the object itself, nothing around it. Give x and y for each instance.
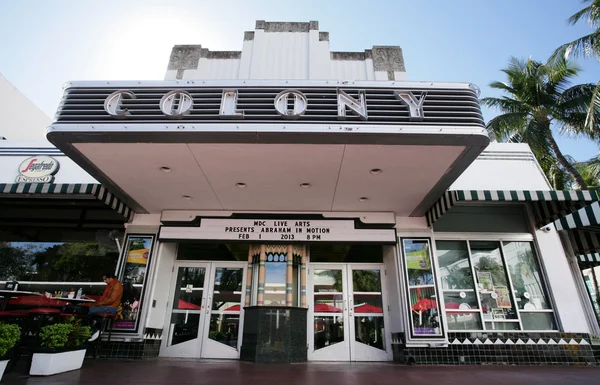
(62, 348)
(9, 335)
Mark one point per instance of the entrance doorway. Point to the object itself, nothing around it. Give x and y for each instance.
(348, 313)
(205, 317)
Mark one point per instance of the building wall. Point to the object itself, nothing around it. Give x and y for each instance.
(20, 119)
(279, 50)
(13, 153)
(503, 166)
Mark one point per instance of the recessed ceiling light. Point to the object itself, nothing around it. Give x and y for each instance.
(376, 171)
(363, 199)
(165, 169)
(187, 197)
(240, 185)
(305, 185)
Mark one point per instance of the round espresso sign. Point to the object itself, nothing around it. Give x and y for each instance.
(37, 169)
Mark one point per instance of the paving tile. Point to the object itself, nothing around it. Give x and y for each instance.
(183, 372)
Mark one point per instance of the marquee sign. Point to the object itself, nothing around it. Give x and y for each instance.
(270, 102)
(278, 230)
(38, 169)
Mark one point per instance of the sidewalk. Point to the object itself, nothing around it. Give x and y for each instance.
(180, 372)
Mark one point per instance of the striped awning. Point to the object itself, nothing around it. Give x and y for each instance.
(91, 189)
(585, 217)
(586, 246)
(547, 206)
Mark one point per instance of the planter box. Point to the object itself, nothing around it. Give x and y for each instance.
(3, 367)
(46, 364)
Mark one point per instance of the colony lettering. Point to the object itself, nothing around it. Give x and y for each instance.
(288, 230)
(38, 169)
(289, 104)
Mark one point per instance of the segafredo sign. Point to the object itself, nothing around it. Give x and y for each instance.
(38, 169)
(289, 104)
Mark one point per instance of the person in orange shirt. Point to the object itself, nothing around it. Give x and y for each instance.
(111, 298)
(108, 303)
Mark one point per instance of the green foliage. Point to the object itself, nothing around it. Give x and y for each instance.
(137, 244)
(539, 97)
(494, 267)
(79, 262)
(15, 262)
(65, 335)
(9, 335)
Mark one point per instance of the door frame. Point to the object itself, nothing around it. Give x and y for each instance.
(206, 307)
(348, 311)
(196, 350)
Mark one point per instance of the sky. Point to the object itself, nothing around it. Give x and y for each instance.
(44, 44)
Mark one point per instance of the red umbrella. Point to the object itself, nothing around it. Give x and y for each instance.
(233, 308)
(187, 305)
(366, 308)
(424, 304)
(325, 308)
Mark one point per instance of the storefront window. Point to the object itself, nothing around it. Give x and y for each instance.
(492, 283)
(460, 299)
(56, 267)
(506, 291)
(525, 276)
(424, 308)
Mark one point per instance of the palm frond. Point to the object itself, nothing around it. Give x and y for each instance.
(591, 13)
(504, 104)
(585, 46)
(502, 127)
(592, 117)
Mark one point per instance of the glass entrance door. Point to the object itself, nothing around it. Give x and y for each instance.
(348, 313)
(205, 311)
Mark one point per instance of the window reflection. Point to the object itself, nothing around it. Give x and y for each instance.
(275, 280)
(329, 330)
(370, 331)
(525, 276)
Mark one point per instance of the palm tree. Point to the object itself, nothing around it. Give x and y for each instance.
(539, 99)
(586, 46)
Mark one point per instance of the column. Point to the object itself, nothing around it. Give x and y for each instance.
(303, 276)
(249, 276)
(260, 298)
(289, 279)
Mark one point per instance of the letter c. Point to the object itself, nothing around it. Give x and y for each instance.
(112, 104)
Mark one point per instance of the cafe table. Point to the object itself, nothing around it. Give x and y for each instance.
(78, 300)
(7, 294)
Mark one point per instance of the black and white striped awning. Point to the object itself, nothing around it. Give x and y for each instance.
(585, 217)
(547, 206)
(586, 246)
(93, 190)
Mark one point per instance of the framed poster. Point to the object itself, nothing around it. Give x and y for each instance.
(485, 280)
(503, 297)
(136, 262)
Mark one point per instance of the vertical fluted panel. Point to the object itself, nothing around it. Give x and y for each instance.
(289, 281)
(260, 299)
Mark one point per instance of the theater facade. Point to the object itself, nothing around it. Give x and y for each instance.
(289, 203)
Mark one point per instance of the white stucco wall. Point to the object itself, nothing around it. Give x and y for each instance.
(294, 51)
(20, 119)
(503, 166)
(568, 303)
